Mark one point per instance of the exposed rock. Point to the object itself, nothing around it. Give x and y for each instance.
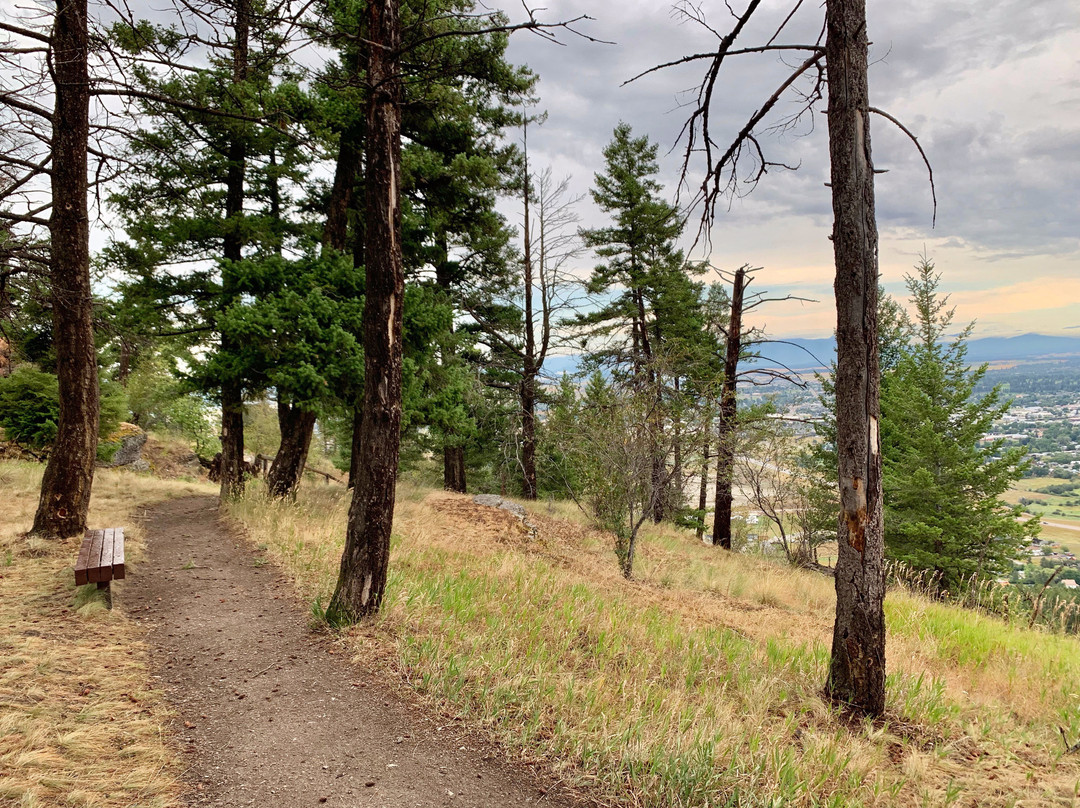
(495, 501)
(129, 440)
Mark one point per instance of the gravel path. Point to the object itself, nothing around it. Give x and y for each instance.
(267, 714)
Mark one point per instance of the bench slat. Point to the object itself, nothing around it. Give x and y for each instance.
(83, 564)
(118, 555)
(95, 557)
(105, 572)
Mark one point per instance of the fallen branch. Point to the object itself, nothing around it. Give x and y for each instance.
(328, 477)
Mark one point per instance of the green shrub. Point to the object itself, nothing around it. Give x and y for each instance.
(30, 407)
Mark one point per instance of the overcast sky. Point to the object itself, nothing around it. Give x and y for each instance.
(992, 90)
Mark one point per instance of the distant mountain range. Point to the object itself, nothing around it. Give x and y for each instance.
(796, 353)
(810, 354)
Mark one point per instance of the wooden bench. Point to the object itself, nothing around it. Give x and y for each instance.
(101, 560)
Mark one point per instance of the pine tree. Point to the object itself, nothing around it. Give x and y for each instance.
(942, 483)
(638, 258)
(635, 249)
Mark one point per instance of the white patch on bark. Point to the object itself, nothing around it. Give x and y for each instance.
(873, 435)
(392, 199)
(367, 590)
(390, 323)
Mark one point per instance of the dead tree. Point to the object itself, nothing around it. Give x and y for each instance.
(725, 443)
(518, 324)
(741, 344)
(857, 669)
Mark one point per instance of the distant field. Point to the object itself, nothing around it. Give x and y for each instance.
(1068, 516)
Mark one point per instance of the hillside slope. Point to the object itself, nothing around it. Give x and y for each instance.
(698, 684)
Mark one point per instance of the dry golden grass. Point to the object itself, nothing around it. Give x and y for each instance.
(80, 724)
(698, 683)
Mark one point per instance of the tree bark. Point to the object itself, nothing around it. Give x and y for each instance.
(529, 370)
(355, 456)
(857, 668)
(528, 433)
(676, 496)
(232, 391)
(454, 478)
(69, 474)
(364, 562)
(454, 469)
(296, 426)
(725, 442)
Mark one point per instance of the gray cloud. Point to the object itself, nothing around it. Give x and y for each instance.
(1007, 178)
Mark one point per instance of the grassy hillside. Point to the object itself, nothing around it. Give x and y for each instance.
(80, 723)
(697, 684)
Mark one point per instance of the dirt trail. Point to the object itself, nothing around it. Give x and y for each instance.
(267, 715)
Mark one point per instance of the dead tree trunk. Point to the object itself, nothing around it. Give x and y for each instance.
(725, 436)
(232, 391)
(857, 669)
(69, 474)
(703, 489)
(528, 433)
(296, 426)
(676, 496)
(362, 579)
(529, 370)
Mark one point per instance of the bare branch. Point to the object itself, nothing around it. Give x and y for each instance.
(926, 160)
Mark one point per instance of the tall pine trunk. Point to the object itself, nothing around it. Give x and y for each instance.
(296, 426)
(454, 469)
(69, 474)
(364, 562)
(857, 668)
(454, 478)
(232, 391)
(727, 422)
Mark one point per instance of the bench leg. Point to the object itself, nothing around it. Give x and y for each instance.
(104, 587)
